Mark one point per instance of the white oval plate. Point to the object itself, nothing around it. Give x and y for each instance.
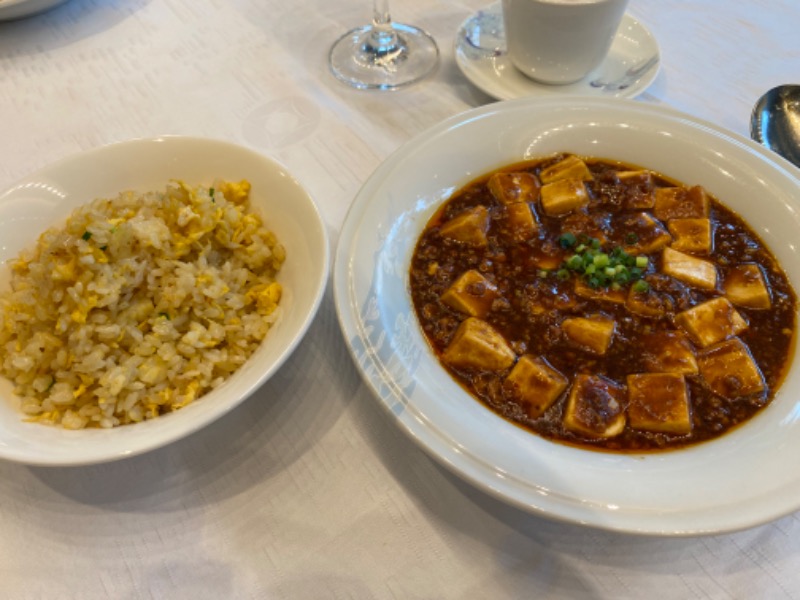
(737, 481)
(50, 195)
(17, 9)
(631, 65)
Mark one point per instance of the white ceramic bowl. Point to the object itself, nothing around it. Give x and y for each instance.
(737, 481)
(48, 196)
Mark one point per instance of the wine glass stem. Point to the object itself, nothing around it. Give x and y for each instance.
(383, 39)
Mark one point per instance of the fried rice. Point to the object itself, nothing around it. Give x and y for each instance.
(139, 305)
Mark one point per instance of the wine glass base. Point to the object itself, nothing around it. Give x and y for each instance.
(354, 60)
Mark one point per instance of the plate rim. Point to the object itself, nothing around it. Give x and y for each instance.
(18, 9)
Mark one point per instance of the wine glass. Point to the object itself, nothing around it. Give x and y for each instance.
(383, 55)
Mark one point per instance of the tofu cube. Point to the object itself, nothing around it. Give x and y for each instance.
(590, 333)
(520, 224)
(476, 345)
(601, 294)
(535, 384)
(571, 167)
(563, 196)
(711, 322)
(694, 272)
(745, 285)
(511, 188)
(666, 199)
(681, 203)
(595, 407)
(639, 189)
(730, 371)
(650, 235)
(659, 402)
(649, 303)
(691, 235)
(472, 294)
(469, 227)
(668, 352)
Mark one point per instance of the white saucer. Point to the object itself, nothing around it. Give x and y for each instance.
(480, 48)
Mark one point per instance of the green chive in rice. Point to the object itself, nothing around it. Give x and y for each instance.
(139, 306)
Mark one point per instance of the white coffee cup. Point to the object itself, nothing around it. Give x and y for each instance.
(560, 41)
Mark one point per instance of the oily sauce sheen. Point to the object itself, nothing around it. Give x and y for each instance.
(535, 307)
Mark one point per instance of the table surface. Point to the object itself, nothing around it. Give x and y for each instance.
(308, 489)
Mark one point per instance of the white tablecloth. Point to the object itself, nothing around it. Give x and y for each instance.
(309, 490)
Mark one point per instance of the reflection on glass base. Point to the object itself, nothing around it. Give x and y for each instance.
(369, 58)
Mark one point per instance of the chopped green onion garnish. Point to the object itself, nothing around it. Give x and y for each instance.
(631, 239)
(567, 240)
(165, 315)
(640, 286)
(574, 262)
(86, 235)
(601, 269)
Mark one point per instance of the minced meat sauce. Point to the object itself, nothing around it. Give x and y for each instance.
(587, 287)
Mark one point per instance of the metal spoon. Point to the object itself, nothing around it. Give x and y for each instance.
(775, 121)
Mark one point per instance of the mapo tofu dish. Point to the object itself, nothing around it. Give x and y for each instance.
(603, 305)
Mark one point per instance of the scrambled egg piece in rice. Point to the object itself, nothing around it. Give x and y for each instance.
(139, 305)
